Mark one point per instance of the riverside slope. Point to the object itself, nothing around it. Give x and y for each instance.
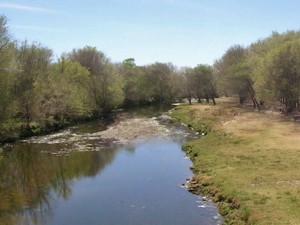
(248, 162)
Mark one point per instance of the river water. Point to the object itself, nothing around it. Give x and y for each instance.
(77, 177)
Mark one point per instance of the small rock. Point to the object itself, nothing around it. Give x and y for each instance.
(183, 185)
(216, 217)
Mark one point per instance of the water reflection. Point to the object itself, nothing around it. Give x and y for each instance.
(45, 180)
(30, 181)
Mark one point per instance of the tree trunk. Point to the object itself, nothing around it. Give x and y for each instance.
(214, 101)
(255, 103)
(207, 99)
(242, 100)
(27, 115)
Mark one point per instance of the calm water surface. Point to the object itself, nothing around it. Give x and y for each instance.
(75, 178)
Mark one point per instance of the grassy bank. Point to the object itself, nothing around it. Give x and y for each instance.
(248, 162)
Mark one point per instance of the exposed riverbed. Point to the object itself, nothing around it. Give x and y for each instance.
(129, 173)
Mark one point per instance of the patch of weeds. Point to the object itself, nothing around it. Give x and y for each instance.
(246, 214)
(287, 193)
(262, 200)
(224, 208)
(294, 199)
(195, 155)
(236, 142)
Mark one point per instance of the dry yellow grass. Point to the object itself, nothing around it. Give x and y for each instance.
(251, 156)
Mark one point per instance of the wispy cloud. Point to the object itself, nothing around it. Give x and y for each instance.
(26, 8)
(35, 28)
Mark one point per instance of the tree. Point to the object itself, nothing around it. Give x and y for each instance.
(284, 74)
(6, 60)
(131, 75)
(187, 73)
(234, 73)
(105, 83)
(159, 76)
(64, 94)
(202, 83)
(32, 64)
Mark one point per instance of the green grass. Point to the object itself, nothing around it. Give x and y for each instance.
(252, 171)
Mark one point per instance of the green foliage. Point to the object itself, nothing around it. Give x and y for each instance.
(6, 60)
(90, 58)
(203, 83)
(162, 82)
(234, 73)
(284, 72)
(133, 85)
(31, 65)
(105, 84)
(268, 70)
(65, 92)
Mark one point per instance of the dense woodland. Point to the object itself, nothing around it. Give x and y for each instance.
(36, 88)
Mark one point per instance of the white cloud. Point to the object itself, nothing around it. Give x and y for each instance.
(26, 8)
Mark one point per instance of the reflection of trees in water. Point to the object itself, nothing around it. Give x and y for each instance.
(30, 181)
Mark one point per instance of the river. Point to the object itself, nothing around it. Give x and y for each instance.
(130, 173)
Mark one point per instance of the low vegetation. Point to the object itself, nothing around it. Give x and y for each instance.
(248, 161)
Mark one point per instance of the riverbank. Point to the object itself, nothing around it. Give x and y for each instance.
(248, 162)
(17, 129)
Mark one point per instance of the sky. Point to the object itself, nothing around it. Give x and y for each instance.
(183, 32)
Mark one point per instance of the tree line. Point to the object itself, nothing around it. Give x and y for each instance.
(85, 83)
(266, 71)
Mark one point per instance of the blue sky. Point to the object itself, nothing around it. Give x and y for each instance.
(183, 32)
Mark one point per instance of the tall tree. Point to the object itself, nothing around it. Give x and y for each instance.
(6, 59)
(159, 76)
(187, 73)
(131, 74)
(32, 64)
(234, 74)
(64, 94)
(105, 83)
(203, 83)
(284, 74)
